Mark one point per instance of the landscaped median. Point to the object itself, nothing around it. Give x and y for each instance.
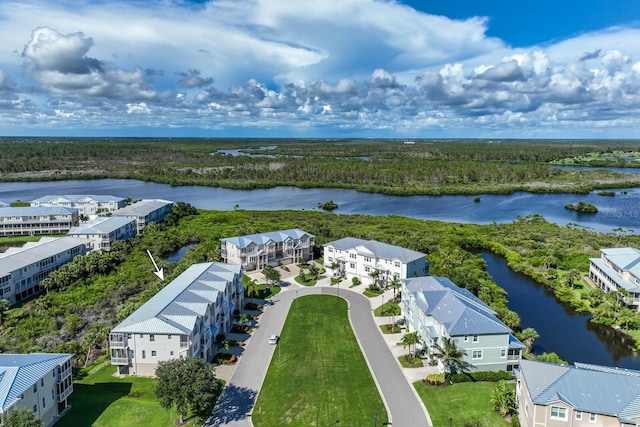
(318, 371)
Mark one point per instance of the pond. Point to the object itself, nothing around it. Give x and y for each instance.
(562, 330)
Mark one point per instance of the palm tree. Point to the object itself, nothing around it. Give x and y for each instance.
(395, 284)
(503, 399)
(410, 340)
(334, 267)
(573, 277)
(375, 275)
(252, 288)
(451, 357)
(528, 335)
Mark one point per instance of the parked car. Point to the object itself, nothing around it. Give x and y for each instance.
(273, 339)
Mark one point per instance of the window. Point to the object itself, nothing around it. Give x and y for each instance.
(152, 337)
(503, 353)
(367, 269)
(396, 263)
(35, 388)
(35, 408)
(44, 403)
(144, 354)
(42, 382)
(578, 415)
(558, 413)
(330, 249)
(168, 337)
(466, 338)
(592, 417)
(352, 265)
(476, 338)
(477, 354)
(367, 259)
(141, 335)
(352, 256)
(171, 353)
(153, 353)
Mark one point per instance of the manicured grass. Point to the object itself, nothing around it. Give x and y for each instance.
(390, 329)
(463, 402)
(319, 363)
(306, 281)
(388, 309)
(414, 362)
(100, 399)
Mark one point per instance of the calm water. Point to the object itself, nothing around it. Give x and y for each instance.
(623, 210)
(561, 329)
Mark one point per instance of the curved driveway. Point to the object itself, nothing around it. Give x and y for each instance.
(238, 397)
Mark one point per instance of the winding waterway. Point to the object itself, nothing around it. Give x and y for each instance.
(622, 210)
(562, 330)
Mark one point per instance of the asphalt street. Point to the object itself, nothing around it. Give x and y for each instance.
(239, 396)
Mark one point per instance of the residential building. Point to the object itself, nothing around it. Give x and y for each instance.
(29, 221)
(618, 269)
(38, 382)
(103, 231)
(360, 258)
(22, 269)
(182, 319)
(436, 308)
(88, 205)
(146, 211)
(255, 251)
(4, 204)
(580, 395)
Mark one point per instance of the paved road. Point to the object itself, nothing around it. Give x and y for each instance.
(239, 396)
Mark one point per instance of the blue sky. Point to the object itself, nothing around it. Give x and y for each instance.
(329, 68)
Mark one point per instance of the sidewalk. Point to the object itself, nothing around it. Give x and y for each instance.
(392, 340)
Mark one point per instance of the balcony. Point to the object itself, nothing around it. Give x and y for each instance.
(64, 374)
(119, 360)
(65, 393)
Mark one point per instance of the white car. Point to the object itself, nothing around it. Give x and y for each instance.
(273, 339)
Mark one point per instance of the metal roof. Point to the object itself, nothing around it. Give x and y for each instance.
(143, 207)
(623, 259)
(264, 238)
(586, 388)
(377, 249)
(78, 198)
(457, 309)
(176, 308)
(19, 372)
(16, 258)
(37, 211)
(102, 225)
(615, 276)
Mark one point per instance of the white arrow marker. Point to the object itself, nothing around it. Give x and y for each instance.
(159, 271)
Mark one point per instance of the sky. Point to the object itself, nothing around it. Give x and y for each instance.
(321, 69)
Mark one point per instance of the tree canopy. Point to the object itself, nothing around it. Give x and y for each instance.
(188, 384)
(21, 418)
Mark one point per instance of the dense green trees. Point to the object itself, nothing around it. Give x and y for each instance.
(387, 166)
(451, 357)
(21, 418)
(189, 384)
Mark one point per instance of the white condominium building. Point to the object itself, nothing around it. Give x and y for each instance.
(87, 205)
(182, 319)
(30, 221)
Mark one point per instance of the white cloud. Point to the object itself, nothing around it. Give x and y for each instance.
(362, 65)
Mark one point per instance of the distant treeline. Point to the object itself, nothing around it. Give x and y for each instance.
(384, 166)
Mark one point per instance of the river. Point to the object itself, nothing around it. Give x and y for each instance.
(622, 210)
(562, 330)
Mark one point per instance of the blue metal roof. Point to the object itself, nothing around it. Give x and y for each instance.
(587, 388)
(102, 225)
(377, 249)
(79, 198)
(177, 307)
(264, 238)
(457, 309)
(19, 372)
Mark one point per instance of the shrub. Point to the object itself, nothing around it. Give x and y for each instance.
(355, 281)
(489, 376)
(251, 306)
(435, 379)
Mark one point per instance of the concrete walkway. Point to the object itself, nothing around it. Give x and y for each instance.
(245, 378)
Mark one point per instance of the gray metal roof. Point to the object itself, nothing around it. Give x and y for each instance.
(176, 308)
(32, 252)
(78, 198)
(624, 259)
(457, 309)
(615, 276)
(264, 238)
(142, 208)
(36, 211)
(102, 225)
(19, 372)
(377, 249)
(587, 388)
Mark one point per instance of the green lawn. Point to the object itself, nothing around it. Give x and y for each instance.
(100, 399)
(463, 402)
(318, 363)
